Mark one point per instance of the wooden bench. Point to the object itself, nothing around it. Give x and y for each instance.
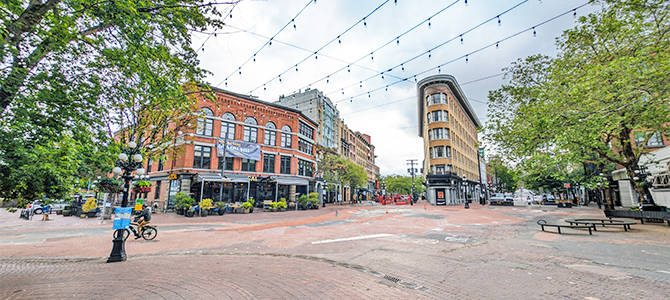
(602, 222)
(544, 223)
(650, 216)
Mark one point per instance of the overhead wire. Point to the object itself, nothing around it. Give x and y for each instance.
(497, 17)
(322, 47)
(239, 69)
(466, 55)
(230, 13)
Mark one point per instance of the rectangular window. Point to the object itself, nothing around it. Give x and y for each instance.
(248, 165)
(149, 163)
(205, 126)
(270, 137)
(229, 163)
(160, 165)
(446, 133)
(305, 168)
(286, 140)
(250, 134)
(268, 163)
(157, 192)
(306, 130)
(285, 165)
(449, 168)
(227, 130)
(447, 151)
(656, 140)
(430, 118)
(430, 152)
(439, 151)
(202, 157)
(439, 169)
(437, 133)
(429, 101)
(305, 146)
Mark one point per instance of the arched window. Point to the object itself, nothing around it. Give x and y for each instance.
(228, 128)
(205, 124)
(250, 133)
(286, 136)
(270, 135)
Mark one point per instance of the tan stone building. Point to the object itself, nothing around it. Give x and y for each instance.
(448, 125)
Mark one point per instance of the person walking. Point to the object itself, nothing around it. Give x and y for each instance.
(528, 199)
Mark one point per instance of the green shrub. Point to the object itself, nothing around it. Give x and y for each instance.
(247, 205)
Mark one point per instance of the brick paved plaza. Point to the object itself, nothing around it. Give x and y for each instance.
(360, 252)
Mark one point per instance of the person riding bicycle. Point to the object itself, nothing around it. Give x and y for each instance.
(145, 215)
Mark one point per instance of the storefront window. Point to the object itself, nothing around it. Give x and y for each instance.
(229, 163)
(268, 163)
(201, 157)
(285, 165)
(305, 168)
(248, 165)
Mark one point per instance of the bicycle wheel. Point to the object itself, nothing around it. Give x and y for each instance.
(149, 233)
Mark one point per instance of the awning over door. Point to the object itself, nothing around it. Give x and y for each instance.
(290, 180)
(216, 177)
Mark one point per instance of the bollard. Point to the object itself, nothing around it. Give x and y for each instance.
(336, 212)
(387, 211)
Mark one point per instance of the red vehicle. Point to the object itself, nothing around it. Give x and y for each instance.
(402, 200)
(386, 200)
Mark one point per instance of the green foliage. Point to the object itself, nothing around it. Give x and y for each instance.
(342, 171)
(247, 205)
(507, 176)
(251, 200)
(74, 70)
(303, 200)
(110, 185)
(220, 205)
(313, 198)
(182, 200)
(403, 184)
(607, 84)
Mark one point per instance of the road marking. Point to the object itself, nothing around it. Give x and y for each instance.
(661, 271)
(360, 237)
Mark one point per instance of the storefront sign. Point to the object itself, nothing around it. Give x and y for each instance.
(172, 176)
(253, 178)
(238, 149)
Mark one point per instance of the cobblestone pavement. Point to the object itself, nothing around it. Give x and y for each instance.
(358, 252)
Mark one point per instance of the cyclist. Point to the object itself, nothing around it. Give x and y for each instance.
(145, 215)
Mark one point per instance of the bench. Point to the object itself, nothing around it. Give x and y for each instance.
(650, 216)
(544, 223)
(602, 222)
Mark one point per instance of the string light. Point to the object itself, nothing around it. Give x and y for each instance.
(461, 38)
(371, 56)
(279, 78)
(429, 54)
(397, 41)
(466, 58)
(327, 79)
(497, 44)
(574, 13)
(428, 23)
(498, 20)
(296, 67)
(403, 66)
(338, 39)
(365, 23)
(294, 27)
(534, 32)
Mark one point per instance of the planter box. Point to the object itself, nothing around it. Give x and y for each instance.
(188, 214)
(67, 213)
(91, 214)
(221, 211)
(204, 213)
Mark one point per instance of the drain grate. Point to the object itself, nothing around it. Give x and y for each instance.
(391, 278)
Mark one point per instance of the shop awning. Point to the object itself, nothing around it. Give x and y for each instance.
(290, 180)
(216, 177)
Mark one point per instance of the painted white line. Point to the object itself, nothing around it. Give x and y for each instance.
(661, 271)
(360, 237)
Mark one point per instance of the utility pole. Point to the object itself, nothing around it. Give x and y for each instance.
(411, 170)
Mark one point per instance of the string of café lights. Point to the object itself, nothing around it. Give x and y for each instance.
(338, 39)
(230, 13)
(269, 42)
(466, 56)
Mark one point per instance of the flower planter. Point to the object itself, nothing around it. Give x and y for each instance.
(273, 209)
(91, 214)
(67, 213)
(245, 210)
(282, 209)
(179, 211)
(204, 213)
(212, 212)
(189, 213)
(222, 211)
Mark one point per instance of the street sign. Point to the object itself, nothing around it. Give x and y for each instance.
(567, 185)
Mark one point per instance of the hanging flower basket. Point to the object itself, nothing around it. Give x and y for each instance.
(111, 186)
(142, 186)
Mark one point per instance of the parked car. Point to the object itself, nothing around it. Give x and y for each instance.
(509, 198)
(37, 208)
(497, 199)
(404, 200)
(548, 199)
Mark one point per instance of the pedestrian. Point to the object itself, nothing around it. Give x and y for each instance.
(45, 213)
(528, 199)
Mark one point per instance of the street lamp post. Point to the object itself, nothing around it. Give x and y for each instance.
(465, 191)
(124, 167)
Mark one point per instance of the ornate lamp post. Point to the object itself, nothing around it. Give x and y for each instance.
(465, 191)
(125, 167)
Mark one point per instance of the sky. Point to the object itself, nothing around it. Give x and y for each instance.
(410, 38)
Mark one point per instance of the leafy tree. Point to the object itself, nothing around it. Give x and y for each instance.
(607, 87)
(403, 184)
(342, 171)
(75, 71)
(506, 177)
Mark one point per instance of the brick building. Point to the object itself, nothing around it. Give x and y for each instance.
(285, 138)
(448, 125)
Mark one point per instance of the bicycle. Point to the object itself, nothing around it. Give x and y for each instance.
(149, 232)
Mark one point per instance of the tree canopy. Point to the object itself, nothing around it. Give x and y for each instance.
(403, 184)
(600, 100)
(74, 72)
(340, 170)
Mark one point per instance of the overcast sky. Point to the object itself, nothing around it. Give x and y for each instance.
(389, 117)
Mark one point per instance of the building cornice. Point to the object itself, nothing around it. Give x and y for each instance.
(450, 82)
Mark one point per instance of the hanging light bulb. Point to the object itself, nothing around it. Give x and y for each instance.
(351, 100)
(498, 20)
(338, 39)
(415, 78)
(296, 68)
(429, 54)
(466, 58)
(461, 38)
(396, 2)
(497, 44)
(403, 66)
(428, 23)
(294, 28)
(387, 88)
(368, 94)
(270, 44)
(342, 91)
(361, 83)
(365, 23)
(372, 56)
(279, 76)
(328, 79)
(254, 57)
(466, 2)
(226, 82)
(382, 75)
(574, 13)
(264, 88)
(231, 15)
(439, 69)
(315, 56)
(348, 69)
(534, 32)
(397, 41)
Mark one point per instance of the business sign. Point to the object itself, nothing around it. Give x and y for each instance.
(122, 217)
(138, 204)
(238, 149)
(567, 185)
